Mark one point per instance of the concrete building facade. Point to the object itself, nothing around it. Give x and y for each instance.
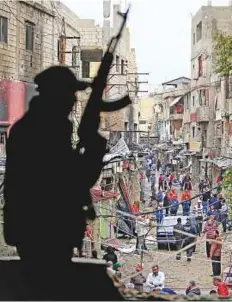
(205, 117)
(169, 106)
(30, 43)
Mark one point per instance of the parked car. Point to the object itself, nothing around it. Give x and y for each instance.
(165, 231)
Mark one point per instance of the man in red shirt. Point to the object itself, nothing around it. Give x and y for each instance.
(222, 288)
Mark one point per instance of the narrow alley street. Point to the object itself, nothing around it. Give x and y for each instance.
(178, 273)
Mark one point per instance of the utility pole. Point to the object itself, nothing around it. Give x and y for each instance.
(75, 66)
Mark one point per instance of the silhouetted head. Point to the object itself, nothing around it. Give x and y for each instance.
(110, 250)
(57, 86)
(179, 220)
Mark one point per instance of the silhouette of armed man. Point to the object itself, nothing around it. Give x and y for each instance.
(47, 182)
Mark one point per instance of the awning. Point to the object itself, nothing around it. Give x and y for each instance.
(176, 100)
(98, 195)
(221, 162)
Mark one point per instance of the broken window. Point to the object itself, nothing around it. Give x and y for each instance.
(117, 64)
(85, 69)
(30, 31)
(3, 29)
(200, 66)
(199, 31)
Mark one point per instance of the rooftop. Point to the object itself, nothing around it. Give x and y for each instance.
(177, 81)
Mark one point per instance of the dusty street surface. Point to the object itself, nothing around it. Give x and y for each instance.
(179, 273)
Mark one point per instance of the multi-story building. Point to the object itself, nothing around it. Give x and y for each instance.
(170, 109)
(205, 125)
(30, 41)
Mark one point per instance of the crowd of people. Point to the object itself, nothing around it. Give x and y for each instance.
(155, 282)
(172, 195)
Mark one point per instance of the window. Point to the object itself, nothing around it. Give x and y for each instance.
(126, 126)
(202, 98)
(194, 38)
(122, 66)
(187, 101)
(30, 31)
(3, 29)
(85, 69)
(193, 101)
(117, 64)
(142, 122)
(2, 138)
(74, 56)
(200, 66)
(193, 131)
(199, 31)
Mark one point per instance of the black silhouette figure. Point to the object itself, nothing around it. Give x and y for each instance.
(47, 183)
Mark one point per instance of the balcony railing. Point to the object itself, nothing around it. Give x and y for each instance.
(202, 114)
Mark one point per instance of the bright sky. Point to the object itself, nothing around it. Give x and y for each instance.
(160, 33)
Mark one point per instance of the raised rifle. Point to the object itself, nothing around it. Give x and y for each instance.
(90, 121)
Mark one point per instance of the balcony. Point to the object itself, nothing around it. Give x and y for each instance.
(202, 114)
(176, 116)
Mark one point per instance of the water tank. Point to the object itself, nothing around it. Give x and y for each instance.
(106, 8)
(209, 3)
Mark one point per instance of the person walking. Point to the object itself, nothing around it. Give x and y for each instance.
(159, 214)
(161, 180)
(209, 230)
(170, 180)
(198, 211)
(224, 215)
(166, 204)
(178, 237)
(174, 207)
(190, 229)
(215, 254)
(158, 164)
